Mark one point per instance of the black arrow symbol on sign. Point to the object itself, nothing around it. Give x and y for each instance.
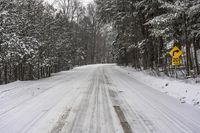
(176, 51)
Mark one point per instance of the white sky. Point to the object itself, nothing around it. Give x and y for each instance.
(85, 2)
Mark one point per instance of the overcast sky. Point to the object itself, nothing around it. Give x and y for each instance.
(85, 2)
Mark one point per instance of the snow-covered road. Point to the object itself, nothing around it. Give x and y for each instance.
(92, 99)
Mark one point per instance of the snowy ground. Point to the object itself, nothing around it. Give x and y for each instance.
(185, 91)
(97, 99)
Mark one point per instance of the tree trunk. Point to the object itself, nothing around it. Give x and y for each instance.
(38, 71)
(30, 72)
(125, 57)
(5, 73)
(160, 54)
(195, 56)
(19, 72)
(188, 63)
(49, 71)
(151, 54)
(15, 73)
(23, 72)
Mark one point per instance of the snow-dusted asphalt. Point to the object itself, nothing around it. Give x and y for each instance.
(92, 99)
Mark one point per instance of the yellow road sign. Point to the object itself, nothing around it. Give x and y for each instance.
(175, 52)
(176, 61)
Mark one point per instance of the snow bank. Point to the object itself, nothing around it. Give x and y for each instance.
(185, 92)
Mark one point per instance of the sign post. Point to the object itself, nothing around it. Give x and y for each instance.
(176, 53)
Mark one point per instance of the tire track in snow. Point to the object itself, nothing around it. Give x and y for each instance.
(102, 110)
(146, 125)
(63, 118)
(108, 116)
(61, 122)
(77, 124)
(123, 123)
(94, 113)
(174, 121)
(135, 120)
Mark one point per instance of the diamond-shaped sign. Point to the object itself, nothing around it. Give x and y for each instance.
(175, 52)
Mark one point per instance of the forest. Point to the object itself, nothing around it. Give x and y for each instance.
(38, 38)
(146, 30)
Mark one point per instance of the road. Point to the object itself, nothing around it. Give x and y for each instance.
(92, 99)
